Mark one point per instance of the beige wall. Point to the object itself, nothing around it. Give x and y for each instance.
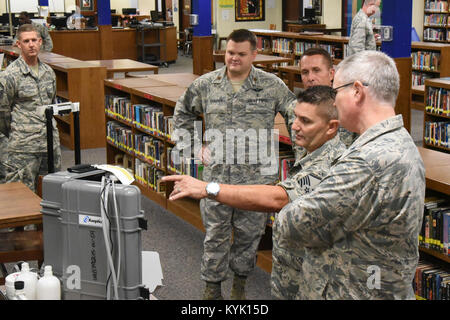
(225, 26)
(331, 13)
(417, 17)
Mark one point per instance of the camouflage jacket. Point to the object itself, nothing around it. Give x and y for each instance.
(248, 115)
(304, 176)
(366, 216)
(47, 43)
(361, 34)
(23, 94)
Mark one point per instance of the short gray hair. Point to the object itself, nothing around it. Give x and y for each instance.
(374, 68)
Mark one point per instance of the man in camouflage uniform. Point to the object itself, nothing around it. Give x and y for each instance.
(316, 68)
(28, 85)
(361, 31)
(367, 212)
(47, 43)
(237, 96)
(315, 128)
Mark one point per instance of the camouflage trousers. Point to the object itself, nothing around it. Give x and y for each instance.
(3, 157)
(26, 167)
(231, 240)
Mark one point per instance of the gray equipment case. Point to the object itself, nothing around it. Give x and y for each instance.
(73, 236)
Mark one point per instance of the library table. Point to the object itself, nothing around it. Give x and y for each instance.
(19, 206)
(114, 66)
(437, 169)
(291, 71)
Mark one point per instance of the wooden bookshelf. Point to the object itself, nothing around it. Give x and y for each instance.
(437, 176)
(435, 26)
(437, 114)
(163, 91)
(422, 71)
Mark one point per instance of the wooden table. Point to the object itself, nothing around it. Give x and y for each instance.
(437, 169)
(19, 206)
(123, 66)
(291, 72)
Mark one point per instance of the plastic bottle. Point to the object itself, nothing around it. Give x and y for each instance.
(19, 287)
(9, 284)
(30, 279)
(48, 287)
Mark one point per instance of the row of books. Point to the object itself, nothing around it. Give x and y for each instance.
(435, 229)
(149, 175)
(439, 6)
(334, 51)
(425, 60)
(300, 47)
(433, 35)
(149, 148)
(435, 19)
(281, 45)
(262, 43)
(437, 134)
(438, 101)
(418, 78)
(184, 165)
(431, 282)
(119, 135)
(144, 116)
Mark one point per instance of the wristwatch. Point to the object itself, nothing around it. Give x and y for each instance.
(212, 189)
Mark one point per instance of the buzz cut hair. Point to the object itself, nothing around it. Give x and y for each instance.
(242, 35)
(323, 98)
(27, 28)
(321, 52)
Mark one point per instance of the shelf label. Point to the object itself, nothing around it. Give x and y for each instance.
(148, 96)
(118, 86)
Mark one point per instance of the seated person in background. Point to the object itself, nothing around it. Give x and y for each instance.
(47, 43)
(315, 128)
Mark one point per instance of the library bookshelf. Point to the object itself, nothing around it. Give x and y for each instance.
(436, 126)
(435, 22)
(429, 60)
(431, 246)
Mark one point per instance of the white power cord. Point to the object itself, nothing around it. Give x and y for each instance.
(105, 227)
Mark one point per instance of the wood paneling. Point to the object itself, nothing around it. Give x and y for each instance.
(202, 54)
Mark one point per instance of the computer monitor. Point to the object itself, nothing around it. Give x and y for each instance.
(154, 15)
(128, 11)
(58, 22)
(113, 10)
(4, 18)
(114, 20)
(310, 13)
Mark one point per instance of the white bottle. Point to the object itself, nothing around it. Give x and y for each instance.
(30, 279)
(19, 287)
(48, 287)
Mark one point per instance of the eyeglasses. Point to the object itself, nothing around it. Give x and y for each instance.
(335, 90)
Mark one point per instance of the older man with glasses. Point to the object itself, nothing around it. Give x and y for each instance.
(363, 219)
